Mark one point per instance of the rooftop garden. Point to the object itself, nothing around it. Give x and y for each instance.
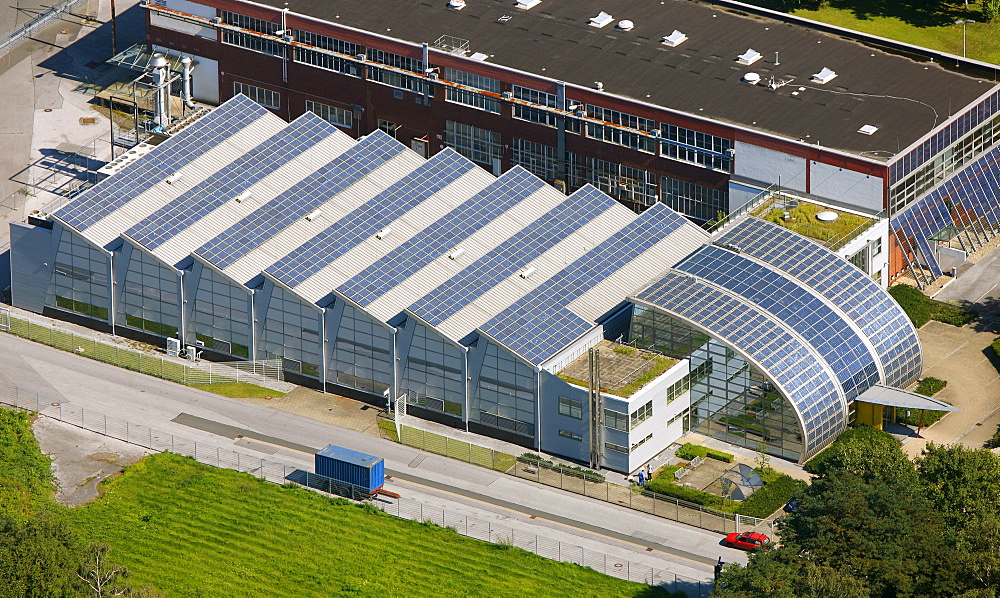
(800, 216)
(624, 369)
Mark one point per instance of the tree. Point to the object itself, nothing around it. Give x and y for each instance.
(991, 10)
(103, 579)
(962, 483)
(780, 573)
(977, 551)
(37, 557)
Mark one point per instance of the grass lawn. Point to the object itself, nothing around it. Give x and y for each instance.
(193, 530)
(25, 474)
(240, 390)
(930, 24)
(921, 309)
(803, 221)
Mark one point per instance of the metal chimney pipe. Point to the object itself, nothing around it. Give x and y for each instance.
(159, 64)
(186, 93)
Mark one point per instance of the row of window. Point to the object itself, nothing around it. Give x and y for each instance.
(641, 414)
(678, 388)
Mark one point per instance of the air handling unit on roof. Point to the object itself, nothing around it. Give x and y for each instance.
(824, 76)
(173, 178)
(674, 39)
(749, 57)
(868, 130)
(601, 20)
(527, 272)
(456, 4)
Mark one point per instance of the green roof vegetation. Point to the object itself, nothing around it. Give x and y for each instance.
(802, 219)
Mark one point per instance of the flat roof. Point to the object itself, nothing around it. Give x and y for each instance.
(903, 98)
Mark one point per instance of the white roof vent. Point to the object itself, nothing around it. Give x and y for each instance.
(479, 56)
(526, 272)
(868, 130)
(383, 233)
(173, 178)
(824, 76)
(242, 197)
(674, 39)
(456, 4)
(625, 25)
(749, 57)
(601, 20)
(528, 4)
(752, 78)
(456, 253)
(313, 215)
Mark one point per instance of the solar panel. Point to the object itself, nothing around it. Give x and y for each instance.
(875, 312)
(165, 223)
(167, 158)
(806, 313)
(353, 165)
(361, 224)
(503, 261)
(765, 341)
(429, 244)
(540, 324)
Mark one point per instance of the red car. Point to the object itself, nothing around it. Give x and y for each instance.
(748, 540)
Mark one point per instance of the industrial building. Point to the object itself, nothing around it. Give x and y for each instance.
(464, 297)
(705, 107)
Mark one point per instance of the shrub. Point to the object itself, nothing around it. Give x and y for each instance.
(996, 347)
(662, 486)
(930, 386)
(690, 451)
(570, 470)
(919, 308)
(860, 434)
(624, 350)
(771, 497)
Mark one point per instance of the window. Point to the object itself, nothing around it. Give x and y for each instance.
(616, 420)
(471, 98)
(860, 259)
(538, 159)
(640, 443)
(264, 97)
(570, 408)
(876, 246)
(702, 371)
(680, 415)
(616, 447)
(388, 126)
(325, 61)
(253, 42)
(251, 23)
(696, 201)
(570, 435)
(695, 147)
(618, 136)
(331, 114)
(642, 414)
(397, 80)
(478, 145)
(678, 388)
(325, 42)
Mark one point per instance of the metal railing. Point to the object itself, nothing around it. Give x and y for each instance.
(8, 41)
(283, 473)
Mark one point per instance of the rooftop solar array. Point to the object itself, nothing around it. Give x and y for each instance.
(362, 223)
(800, 308)
(763, 339)
(960, 202)
(510, 189)
(224, 185)
(864, 301)
(514, 253)
(166, 159)
(367, 155)
(540, 324)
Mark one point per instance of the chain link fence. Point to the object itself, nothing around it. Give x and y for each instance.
(283, 473)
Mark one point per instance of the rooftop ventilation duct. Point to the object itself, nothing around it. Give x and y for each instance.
(528, 4)
(242, 197)
(385, 232)
(674, 39)
(601, 20)
(456, 4)
(749, 57)
(526, 272)
(824, 76)
(313, 215)
(457, 253)
(625, 25)
(173, 178)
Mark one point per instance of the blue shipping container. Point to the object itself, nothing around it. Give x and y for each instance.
(351, 467)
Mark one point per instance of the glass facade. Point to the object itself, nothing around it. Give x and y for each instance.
(149, 297)
(291, 332)
(693, 200)
(478, 145)
(221, 315)
(505, 396)
(361, 353)
(433, 377)
(80, 280)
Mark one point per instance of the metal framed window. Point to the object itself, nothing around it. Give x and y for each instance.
(253, 42)
(695, 147)
(251, 23)
(616, 420)
(678, 388)
(641, 442)
(331, 114)
(693, 200)
(618, 136)
(401, 62)
(327, 43)
(570, 408)
(264, 97)
(641, 414)
(616, 447)
(570, 435)
(325, 61)
(478, 145)
(397, 80)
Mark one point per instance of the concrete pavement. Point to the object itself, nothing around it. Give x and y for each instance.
(979, 285)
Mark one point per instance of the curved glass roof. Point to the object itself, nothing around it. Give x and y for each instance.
(764, 339)
(861, 298)
(801, 308)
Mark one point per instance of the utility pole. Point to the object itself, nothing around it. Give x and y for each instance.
(114, 29)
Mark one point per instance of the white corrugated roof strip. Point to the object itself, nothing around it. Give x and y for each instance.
(638, 273)
(331, 209)
(143, 205)
(511, 289)
(481, 242)
(403, 228)
(271, 186)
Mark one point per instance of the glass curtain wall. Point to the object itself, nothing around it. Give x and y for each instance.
(292, 332)
(362, 354)
(149, 300)
(505, 397)
(220, 318)
(80, 281)
(432, 378)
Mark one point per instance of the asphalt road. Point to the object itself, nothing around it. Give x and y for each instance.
(100, 388)
(980, 284)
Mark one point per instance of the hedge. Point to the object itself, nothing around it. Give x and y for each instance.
(691, 451)
(771, 497)
(996, 347)
(920, 309)
(661, 485)
(862, 434)
(570, 470)
(930, 386)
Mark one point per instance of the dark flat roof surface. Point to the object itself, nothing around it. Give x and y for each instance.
(701, 76)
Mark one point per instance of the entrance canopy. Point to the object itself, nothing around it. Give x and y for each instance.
(894, 397)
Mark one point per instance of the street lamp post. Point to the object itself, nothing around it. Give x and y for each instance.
(963, 23)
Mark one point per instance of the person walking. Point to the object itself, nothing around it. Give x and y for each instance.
(642, 478)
